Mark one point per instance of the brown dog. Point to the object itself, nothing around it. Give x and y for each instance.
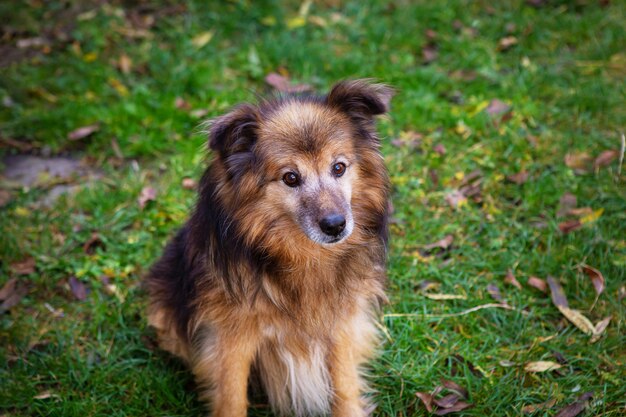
(281, 267)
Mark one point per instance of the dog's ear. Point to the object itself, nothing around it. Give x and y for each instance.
(234, 132)
(360, 99)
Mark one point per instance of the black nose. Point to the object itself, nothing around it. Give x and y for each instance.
(333, 225)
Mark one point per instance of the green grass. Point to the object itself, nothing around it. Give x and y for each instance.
(564, 80)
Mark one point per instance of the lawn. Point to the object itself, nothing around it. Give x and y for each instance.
(503, 144)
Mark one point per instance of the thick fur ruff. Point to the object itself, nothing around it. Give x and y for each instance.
(254, 283)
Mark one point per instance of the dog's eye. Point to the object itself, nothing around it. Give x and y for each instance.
(291, 179)
(338, 169)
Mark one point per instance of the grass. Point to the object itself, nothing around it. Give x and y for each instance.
(563, 80)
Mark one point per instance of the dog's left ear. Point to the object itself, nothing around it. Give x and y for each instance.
(360, 99)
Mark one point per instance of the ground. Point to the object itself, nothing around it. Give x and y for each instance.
(503, 143)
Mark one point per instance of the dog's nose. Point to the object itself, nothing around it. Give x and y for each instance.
(333, 225)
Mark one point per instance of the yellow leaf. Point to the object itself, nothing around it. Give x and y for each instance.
(479, 107)
(118, 86)
(459, 175)
(577, 319)
(269, 21)
(590, 218)
(202, 39)
(462, 129)
(541, 366)
(22, 212)
(296, 22)
(90, 57)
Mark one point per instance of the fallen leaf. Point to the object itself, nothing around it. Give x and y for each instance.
(580, 211)
(12, 292)
(283, 85)
(443, 243)
(577, 319)
(25, 267)
(458, 406)
(557, 293)
(440, 297)
(497, 107)
(578, 161)
(181, 104)
(605, 158)
(5, 197)
(456, 199)
(454, 387)
(507, 364)
(440, 149)
(519, 178)
(426, 399)
(531, 408)
(494, 291)
(147, 194)
(621, 293)
(427, 285)
(510, 279)
(577, 407)
(569, 226)
(541, 366)
(199, 113)
(83, 132)
(45, 395)
(506, 43)
(592, 217)
(78, 288)
(559, 357)
(189, 183)
(538, 283)
(447, 401)
(566, 203)
(429, 53)
(596, 277)
(599, 329)
(202, 39)
(125, 64)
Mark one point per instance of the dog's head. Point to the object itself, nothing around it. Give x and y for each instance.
(304, 160)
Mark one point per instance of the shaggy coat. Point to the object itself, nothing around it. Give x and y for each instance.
(257, 282)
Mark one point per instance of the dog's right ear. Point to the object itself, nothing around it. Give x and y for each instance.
(234, 132)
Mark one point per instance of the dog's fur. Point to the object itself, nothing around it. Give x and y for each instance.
(251, 284)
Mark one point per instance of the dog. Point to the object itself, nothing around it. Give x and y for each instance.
(280, 270)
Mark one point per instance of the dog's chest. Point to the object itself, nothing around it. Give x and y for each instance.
(294, 371)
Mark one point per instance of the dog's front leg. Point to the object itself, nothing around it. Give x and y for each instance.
(347, 384)
(223, 369)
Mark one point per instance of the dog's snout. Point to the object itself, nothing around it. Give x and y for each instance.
(333, 224)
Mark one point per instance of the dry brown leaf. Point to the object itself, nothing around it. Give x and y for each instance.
(580, 162)
(147, 194)
(566, 203)
(538, 283)
(580, 211)
(510, 279)
(577, 407)
(427, 285)
(453, 362)
(557, 293)
(519, 178)
(596, 277)
(83, 132)
(78, 288)
(5, 197)
(444, 243)
(189, 183)
(8, 289)
(506, 43)
(439, 297)
(25, 267)
(577, 319)
(13, 295)
(440, 149)
(429, 53)
(569, 226)
(541, 366)
(427, 400)
(599, 329)
(94, 241)
(605, 158)
(456, 199)
(531, 408)
(454, 387)
(181, 104)
(458, 406)
(125, 64)
(497, 107)
(283, 85)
